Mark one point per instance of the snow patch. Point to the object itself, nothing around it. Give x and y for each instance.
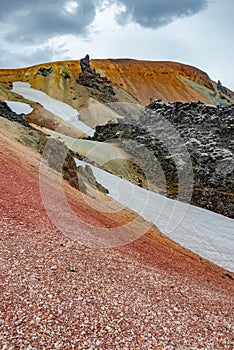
(207, 234)
(61, 109)
(19, 107)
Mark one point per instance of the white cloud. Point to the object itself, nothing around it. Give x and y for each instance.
(71, 7)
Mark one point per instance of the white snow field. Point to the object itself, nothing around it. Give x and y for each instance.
(61, 109)
(19, 107)
(208, 234)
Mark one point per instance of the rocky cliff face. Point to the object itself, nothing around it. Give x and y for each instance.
(99, 87)
(183, 142)
(60, 158)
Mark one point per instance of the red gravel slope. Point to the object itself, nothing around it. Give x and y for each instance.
(59, 294)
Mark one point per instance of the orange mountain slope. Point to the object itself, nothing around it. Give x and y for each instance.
(149, 80)
(144, 80)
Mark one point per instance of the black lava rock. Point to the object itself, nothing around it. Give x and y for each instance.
(7, 113)
(182, 136)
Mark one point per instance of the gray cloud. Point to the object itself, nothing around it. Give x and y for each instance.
(156, 13)
(29, 21)
(32, 21)
(27, 25)
(18, 58)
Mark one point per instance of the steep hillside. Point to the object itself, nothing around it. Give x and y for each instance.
(60, 289)
(132, 80)
(101, 84)
(59, 293)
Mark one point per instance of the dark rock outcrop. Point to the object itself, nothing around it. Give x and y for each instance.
(224, 91)
(60, 158)
(85, 65)
(86, 175)
(6, 112)
(45, 71)
(176, 137)
(99, 87)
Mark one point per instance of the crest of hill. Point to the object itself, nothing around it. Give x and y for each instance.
(169, 81)
(133, 81)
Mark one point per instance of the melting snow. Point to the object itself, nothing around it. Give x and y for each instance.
(19, 107)
(208, 234)
(61, 109)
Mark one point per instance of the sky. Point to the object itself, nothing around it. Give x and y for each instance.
(195, 32)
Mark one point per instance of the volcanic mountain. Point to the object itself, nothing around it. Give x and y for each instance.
(116, 90)
(133, 80)
(82, 264)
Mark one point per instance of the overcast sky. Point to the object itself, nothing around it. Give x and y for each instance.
(195, 32)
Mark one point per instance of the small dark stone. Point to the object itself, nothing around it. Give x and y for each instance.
(229, 276)
(72, 269)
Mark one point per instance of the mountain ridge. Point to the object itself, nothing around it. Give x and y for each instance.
(144, 81)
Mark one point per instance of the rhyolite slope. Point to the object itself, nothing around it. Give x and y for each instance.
(132, 81)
